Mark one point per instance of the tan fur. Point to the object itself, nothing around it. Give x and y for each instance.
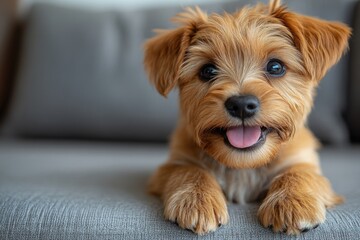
(202, 170)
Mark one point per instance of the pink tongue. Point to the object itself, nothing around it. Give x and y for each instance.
(243, 137)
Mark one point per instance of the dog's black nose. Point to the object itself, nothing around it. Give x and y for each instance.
(242, 106)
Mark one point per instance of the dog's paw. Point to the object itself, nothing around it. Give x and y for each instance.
(197, 211)
(291, 214)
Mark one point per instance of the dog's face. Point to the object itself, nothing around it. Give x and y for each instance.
(245, 80)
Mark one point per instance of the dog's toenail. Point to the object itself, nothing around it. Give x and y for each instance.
(316, 226)
(270, 227)
(219, 225)
(305, 230)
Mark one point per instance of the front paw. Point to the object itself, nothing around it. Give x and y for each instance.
(291, 214)
(197, 211)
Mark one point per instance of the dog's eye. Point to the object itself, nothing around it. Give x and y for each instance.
(208, 72)
(275, 68)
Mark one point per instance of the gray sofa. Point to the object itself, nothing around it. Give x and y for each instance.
(83, 130)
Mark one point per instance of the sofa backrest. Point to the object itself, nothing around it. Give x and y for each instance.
(81, 75)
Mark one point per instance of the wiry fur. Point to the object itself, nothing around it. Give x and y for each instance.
(202, 170)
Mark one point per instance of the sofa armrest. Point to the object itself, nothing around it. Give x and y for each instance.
(8, 43)
(353, 111)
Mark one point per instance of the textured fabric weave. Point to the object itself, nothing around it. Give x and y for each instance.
(52, 190)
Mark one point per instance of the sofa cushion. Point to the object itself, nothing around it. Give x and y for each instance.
(78, 190)
(81, 75)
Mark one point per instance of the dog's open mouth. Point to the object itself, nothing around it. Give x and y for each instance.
(245, 137)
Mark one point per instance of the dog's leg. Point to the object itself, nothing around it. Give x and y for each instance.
(297, 200)
(191, 196)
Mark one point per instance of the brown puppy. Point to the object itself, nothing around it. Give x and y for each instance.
(246, 84)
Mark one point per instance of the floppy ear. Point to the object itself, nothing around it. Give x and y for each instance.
(320, 42)
(165, 52)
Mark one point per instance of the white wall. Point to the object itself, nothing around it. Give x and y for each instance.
(107, 4)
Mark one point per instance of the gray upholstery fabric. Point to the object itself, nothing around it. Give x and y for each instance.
(72, 190)
(81, 75)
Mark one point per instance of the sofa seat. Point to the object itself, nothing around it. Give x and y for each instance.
(91, 190)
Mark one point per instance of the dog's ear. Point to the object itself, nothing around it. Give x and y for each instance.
(165, 52)
(320, 42)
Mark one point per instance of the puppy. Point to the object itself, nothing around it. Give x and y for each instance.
(246, 85)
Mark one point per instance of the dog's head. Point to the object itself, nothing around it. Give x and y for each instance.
(245, 80)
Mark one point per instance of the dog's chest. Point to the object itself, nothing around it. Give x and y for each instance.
(241, 185)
